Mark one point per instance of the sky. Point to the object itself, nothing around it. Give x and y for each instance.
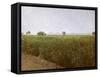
(56, 21)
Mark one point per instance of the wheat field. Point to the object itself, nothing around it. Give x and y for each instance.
(57, 51)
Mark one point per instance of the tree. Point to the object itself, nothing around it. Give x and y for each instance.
(93, 33)
(22, 33)
(28, 32)
(63, 33)
(41, 33)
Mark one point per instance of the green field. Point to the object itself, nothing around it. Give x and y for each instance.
(67, 51)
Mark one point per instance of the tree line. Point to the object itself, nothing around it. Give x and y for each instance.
(43, 33)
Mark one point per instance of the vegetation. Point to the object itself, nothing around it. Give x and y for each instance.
(93, 33)
(28, 32)
(41, 33)
(66, 51)
(63, 33)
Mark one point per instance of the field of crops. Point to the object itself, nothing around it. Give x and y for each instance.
(68, 51)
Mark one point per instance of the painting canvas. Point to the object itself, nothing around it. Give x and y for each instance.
(54, 38)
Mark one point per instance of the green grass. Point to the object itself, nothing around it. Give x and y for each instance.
(67, 51)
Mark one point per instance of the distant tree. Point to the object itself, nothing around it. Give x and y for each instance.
(41, 33)
(63, 33)
(28, 32)
(22, 33)
(93, 33)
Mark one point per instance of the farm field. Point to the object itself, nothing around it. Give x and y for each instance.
(57, 51)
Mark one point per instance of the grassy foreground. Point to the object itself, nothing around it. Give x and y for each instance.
(68, 51)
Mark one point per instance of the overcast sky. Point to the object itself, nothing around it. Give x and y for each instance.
(54, 20)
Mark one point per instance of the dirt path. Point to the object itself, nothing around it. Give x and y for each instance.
(30, 62)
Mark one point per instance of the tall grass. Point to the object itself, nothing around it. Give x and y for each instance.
(67, 51)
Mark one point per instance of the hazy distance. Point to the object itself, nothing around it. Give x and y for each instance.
(56, 21)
